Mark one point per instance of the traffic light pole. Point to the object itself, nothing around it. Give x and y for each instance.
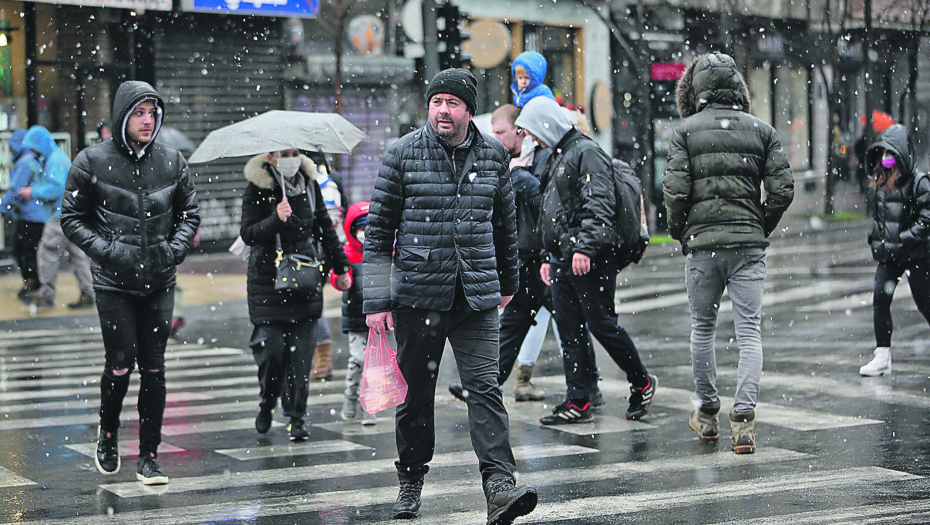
(430, 38)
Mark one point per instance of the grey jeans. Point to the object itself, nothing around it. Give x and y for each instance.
(53, 246)
(742, 272)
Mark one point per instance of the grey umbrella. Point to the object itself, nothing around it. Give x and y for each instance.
(176, 139)
(277, 130)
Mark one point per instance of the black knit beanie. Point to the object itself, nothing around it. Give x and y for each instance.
(458, 82)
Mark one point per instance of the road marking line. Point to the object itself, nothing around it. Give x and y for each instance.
(292, 449)
(9, 479)
(337, 470)
(768, 413)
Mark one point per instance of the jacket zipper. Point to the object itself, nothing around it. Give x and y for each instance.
(144, 270)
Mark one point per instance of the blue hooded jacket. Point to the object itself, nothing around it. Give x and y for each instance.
(49, 186)
(535, 65)
(25, 170)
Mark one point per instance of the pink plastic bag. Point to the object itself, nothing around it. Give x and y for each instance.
(383, 386)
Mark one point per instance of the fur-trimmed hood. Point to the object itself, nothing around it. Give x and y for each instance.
(256, 171)
(711, 79)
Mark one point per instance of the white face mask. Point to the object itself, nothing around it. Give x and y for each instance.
(288, 166)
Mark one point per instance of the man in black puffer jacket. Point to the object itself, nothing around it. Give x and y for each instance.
(130, 205)
(719, 160)
(440, 258)
(576, 228)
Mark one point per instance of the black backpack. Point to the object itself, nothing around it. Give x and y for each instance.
(629, 220)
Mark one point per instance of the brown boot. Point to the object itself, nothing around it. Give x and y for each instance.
(523, 389)
(322, 365)
(744, 439)
(84, 301)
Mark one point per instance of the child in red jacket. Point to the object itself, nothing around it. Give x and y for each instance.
(353, 320)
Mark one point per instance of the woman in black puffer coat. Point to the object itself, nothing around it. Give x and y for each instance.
(899, 235)
(285, 322)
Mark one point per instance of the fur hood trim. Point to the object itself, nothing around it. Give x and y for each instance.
(256, 170)
(711, 79)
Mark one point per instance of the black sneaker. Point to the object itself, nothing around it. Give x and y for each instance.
(569, 412)
(506, 502)
(107, 455)
(148, 472)
(264, 417)
(458, 392)
(297, 430)
(641, 398)
(407, 506)
(595, 395)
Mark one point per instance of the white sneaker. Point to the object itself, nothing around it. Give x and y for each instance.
(879, 365)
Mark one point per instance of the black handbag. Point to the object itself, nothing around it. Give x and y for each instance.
(298, 273)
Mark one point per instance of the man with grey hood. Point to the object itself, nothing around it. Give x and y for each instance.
(130, 204)
(719, 160)
(576, 228)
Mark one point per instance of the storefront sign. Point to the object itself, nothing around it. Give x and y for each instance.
(152, 5)
(298, 8)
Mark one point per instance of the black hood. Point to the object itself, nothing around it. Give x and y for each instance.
(129, 95)
(711, 79)
(895, 140)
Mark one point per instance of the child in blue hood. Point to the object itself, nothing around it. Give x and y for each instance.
(528, 72)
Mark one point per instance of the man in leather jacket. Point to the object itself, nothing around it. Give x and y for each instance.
(130, 205)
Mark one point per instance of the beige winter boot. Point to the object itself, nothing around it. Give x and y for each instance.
(322, 365)
(523, 389)
(879, 365)
(741, 424)
(704, 421)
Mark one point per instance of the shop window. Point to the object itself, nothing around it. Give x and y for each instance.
(792, 114)
(560, 46)
(780, 97)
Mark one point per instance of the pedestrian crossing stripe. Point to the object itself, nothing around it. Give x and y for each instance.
(468, 494)
(903, 512)
(305, 448)
(10, 479)
(680, 399)
(52, 364)
(632, 502)
(383, 465)
(184, 411)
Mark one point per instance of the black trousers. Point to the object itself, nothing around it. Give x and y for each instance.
(519, 316)
(421, 336)
(135, 330)
(25, 247)
(887, 276)
(583, 303)
(283, 353)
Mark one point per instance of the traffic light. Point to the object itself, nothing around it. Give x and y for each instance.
(453, 32)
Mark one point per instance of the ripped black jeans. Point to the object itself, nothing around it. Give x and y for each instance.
(135, 330)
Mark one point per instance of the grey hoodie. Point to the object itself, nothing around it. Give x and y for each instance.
(544, 118)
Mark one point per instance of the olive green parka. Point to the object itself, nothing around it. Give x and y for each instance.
(720, 158)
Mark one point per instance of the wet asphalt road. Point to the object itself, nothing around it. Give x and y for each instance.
(834, 447)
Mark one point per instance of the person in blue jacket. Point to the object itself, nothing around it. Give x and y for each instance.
(528, 72)
(28, 214)
(48, 190)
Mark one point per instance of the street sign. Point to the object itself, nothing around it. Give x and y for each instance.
(297, 8)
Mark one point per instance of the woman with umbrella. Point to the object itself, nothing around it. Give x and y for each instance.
(899, 235)
(283, 202)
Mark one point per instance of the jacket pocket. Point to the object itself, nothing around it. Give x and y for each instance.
(415, 253)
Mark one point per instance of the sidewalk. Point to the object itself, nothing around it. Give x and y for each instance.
(205, 278)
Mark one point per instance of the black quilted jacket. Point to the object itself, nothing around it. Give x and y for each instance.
(134, 216)
(448, 223)
(900, 217)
